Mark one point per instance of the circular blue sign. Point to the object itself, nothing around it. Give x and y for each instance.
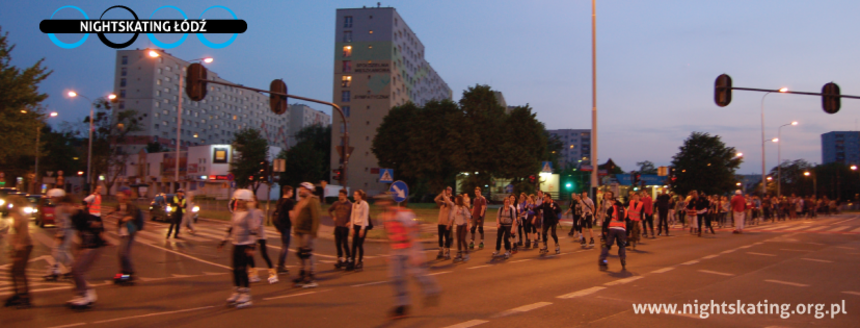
(399, 190)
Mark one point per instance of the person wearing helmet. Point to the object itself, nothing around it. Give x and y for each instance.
(244, 227)
(61, 251)
(129, 220)
(306, 216)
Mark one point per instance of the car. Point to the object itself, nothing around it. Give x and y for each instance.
(6, 206)
(160, 209)
(4, 192)
(43, 210)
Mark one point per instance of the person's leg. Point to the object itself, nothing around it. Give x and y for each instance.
(604, 251)
(360, 252)
(285, 248)
(481, 228)
(473, 229)
(507, 236)
(79, 268)
(622, 251)
(19, 272)
(499, 235)
(127, 266)
(741, 221)
(264, 252)
(338, 243)
(397, 271)
(441, 231)
(554, 235)
(544, 236)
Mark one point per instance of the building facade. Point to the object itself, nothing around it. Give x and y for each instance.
(151, 87)
(841, 147)
(576, 146)
(379, 63)
(302, 116)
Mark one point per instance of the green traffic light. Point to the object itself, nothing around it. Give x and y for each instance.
(569, 185)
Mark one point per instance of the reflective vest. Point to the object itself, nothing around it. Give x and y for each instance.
(617, 222)
(635, 211)
(179, 203)
(95, 207)
(398, 233)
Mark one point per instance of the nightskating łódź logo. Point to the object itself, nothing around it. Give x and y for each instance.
(149, 26)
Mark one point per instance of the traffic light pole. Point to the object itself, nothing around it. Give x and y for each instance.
(344, 153)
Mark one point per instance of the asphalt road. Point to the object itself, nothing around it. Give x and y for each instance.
(183, 283)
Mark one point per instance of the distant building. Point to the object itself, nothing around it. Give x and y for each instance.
(576, 146)
(379, 63)
(840, 147)
(302, 116)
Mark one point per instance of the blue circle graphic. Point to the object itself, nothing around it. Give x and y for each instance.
(62, 44)
(162, 44)
(211, 44)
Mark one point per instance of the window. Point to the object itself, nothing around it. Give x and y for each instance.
(347, 51)
(347, 36)
(125, 60)
(122, 82)
(122, 105)
(122, 93)
(346, 111)
(344, 96)
(346, 80)
(123, 71)
(347, 21)
(157, 93)
(158, 82)
(347, 66)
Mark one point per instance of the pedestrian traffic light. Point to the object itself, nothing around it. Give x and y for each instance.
(195, 82)
(532, 179)
(338, 174)
(277, 98)
(635, 176)
(830, 99)
(723, 90)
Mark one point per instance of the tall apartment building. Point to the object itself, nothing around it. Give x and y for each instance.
(302, 116)
(841, 147)
(378, 64)
(151, 87)
(576, 146)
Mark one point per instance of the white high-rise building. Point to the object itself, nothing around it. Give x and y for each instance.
(302, 116)
(575, 146)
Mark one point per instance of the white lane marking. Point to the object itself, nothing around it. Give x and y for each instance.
(327, 261)
(690, 262)
(288, 296)
(710, 257)
(214, 273)
(623, 281)
(817, 244)
(843, 247)
(438, 273)
(467, 324)
(521, 309)
(746, 246)
(799, 227)
(839, 228)
(794, 250)
(185, 255)
(523, 260)
(480, 267)
(818, 228)
(371, 283)
(760, 254)
(771, 228)
(787, 283)
(584, 292)
(728, 251)
(816, 260)
(856, 230)
(841, 222)
(71, 325)
(154, 314)
(851, 293)
(717, 273)
(663, 270)
(181, 275)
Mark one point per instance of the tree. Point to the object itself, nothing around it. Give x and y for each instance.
(704, 163)
(155, 147)
(309, 160)
(392, 146)
(793, 180)
(250, 159)
(60, 152)
(646, 167)
(19, 91)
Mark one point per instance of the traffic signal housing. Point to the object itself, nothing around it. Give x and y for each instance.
(338, 174)
(723, 90)
(830, 98)
(277, 100)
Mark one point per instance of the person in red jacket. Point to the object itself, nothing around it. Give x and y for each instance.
(739, 205)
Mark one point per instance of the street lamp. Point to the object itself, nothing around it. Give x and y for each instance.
(594, 162)
(779, 157)
(207, 60)
(73, 94)
(814, 183)
(36, 170)
(763, 169)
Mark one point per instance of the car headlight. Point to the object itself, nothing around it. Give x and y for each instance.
(195, 209)
(28, 210)
(168, 209)
(2, 201)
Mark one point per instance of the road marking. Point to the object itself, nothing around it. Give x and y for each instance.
(794, 250)
(584, 292)
(817, 244)
(623, 281)
(327, 261)
(186, 255)
(786, 283)
(760, 254)
(71, 325)
(521, 309)
(467, 324)
(663, 270)
(149, 279)
(214, 273)
(799, 227)
(818, 228)
(746, 246)
(816, 260)
(371, 283)
(154, 314)
(856, 230)
(288, 296)
(523, 260)
(843, 247)
(438, 273)
(480, 266)
(728, 251)
(839, 228)
(851, 293)
(181, 275)
(717, 273)
(771, 228)
(690, 262)
(710, 257)
(841, 222)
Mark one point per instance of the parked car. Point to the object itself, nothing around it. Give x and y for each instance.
(160, 209)
(43, 210)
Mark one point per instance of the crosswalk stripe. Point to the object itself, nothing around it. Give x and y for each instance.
(818, 228)
(838, 228)
(856, 230)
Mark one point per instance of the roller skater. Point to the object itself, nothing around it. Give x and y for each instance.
(244, 227)
(551, 211)
(281, 219)
(445, 203)
(479, 209)
(129, 220)
(22, 245)
(359, 222)
(91, 233)
(306, 216)
(460, 221)
(504, 219)
(341, 213)
(614, 231)
(61, 251)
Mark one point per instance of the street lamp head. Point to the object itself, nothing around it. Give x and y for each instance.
(111, 96)
(739, 155)
(775, 140)
(153, 54)
(806, 173)
(53, 114)
(783, 89)
(208, 60)
(72, 94)
(854, 167)
(794, 123)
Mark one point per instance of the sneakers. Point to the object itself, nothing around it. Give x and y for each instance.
(528, 244)
(535, 244)
(273, 276)
(233, 297)
(85, 300)
(299, 281)
(310, 282)
(340, 264)
(447, 254)
(359, 266)
(624, 265)
(496, 253)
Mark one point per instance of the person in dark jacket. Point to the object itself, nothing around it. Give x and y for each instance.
(178, 204)
(551, 212)
(91, 232)
(340, 212)
(663, 213)
(284, 225)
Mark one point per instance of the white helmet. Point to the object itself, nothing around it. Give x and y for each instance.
(56, 192)
(243, 194)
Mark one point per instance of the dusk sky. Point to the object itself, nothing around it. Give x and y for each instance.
(657, 61)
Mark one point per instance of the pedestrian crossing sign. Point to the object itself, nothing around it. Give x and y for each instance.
(546, 167)
(386, 175)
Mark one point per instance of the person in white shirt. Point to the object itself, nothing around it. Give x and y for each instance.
(359, 221)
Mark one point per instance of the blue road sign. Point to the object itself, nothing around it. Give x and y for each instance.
(399, 190)
(386, 175)
(546, 167)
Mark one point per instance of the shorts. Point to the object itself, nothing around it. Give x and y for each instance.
(586, 222)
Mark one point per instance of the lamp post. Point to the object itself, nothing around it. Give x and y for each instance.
(814, 183)
(594, 162)
(763, 169)
(778, 141)
(38, 135)
(73, 94)
(155, 54)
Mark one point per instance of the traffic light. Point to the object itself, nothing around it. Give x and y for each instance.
(635, 176)
(195, 82)
(277, 100)
(723, 90)
(532, 179)
(338, 174)
(830, 99)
